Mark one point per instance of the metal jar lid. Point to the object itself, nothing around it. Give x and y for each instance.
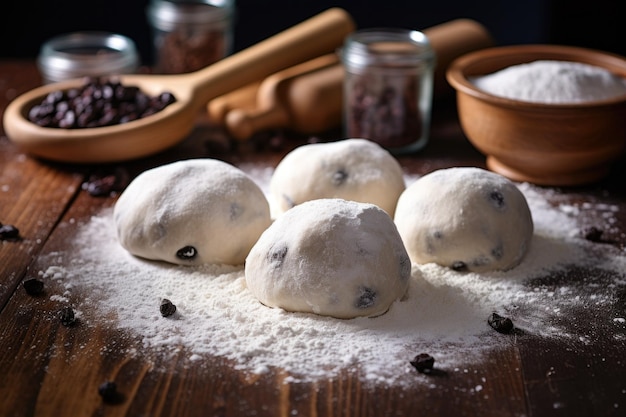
(168, 15)
(387, 49)
(87, 54)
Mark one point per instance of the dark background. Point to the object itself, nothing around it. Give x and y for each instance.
(596, 24)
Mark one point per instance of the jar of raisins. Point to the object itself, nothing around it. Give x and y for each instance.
(388, 87)
(189, 35)
(87, 54)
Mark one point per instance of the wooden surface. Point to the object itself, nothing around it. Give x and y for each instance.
(51, 370)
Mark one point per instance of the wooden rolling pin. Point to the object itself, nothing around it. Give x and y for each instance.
(289, 98)
(241, 98)
(451, 40)
(308, 100)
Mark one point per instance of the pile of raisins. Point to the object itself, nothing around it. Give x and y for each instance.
(99, 102)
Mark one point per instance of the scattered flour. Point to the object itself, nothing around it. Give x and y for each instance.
(555, 82)
(444, 314)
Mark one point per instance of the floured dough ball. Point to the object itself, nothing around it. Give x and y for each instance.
(352, 169)
(192, 212)
(330, 257)
(466, 219)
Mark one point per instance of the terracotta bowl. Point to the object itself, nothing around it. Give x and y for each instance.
(545, 144)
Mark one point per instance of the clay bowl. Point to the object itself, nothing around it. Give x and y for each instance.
(542, 143)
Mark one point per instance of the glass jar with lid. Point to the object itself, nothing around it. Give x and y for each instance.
(190, 34)
(87, 54)
(388, 87)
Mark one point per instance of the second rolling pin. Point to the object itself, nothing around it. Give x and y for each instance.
(293, 98)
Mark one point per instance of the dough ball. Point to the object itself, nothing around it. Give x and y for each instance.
(330, 257)
(351, 169)
(466, 219)
(192, 212)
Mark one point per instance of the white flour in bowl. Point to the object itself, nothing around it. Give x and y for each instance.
(557, 82)
(444, 315)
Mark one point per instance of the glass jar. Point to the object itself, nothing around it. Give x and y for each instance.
(190, 34)
(87, 54)
(388, 87)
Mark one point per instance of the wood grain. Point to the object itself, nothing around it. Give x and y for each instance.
(51, 370)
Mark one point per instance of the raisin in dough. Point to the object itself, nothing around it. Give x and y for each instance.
(351, 169)
(466, 219)
(192, 212)
(331, 257)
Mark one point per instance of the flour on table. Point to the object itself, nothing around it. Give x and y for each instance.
(444, 313)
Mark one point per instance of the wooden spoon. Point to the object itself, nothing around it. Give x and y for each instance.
(316, 36)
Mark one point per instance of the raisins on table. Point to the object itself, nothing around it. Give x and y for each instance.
(167, 308)
(99, 102)
(104, 184)
(500, 324)
(108, 392)
(33, 286)
(9, 232)
(67, 316)
(424, 363)
(593, 234)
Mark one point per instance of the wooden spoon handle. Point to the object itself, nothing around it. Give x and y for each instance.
(316, 36)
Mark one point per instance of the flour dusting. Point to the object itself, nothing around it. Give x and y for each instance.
(548, 81)
(444, 314)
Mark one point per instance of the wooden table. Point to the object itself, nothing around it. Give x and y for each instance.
(50, 370)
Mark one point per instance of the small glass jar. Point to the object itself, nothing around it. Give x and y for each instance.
(189, 35)
(87, 54)
(388, 87)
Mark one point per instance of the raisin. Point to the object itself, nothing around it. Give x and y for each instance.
(9, 232)
(459, 266)
(104, 184)
(67, 316)
(108, 392)
(276, 257)
(339, 177)
(187, 253)
(500, 324)
(593, 234)
(405, 266)
(33, 286)
(498, 252)
(497, 199)
(424, 363)
(289, 201)
(235, 211)
(167, 308)
(366, 298)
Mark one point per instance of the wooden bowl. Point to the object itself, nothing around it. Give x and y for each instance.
(545, 144)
